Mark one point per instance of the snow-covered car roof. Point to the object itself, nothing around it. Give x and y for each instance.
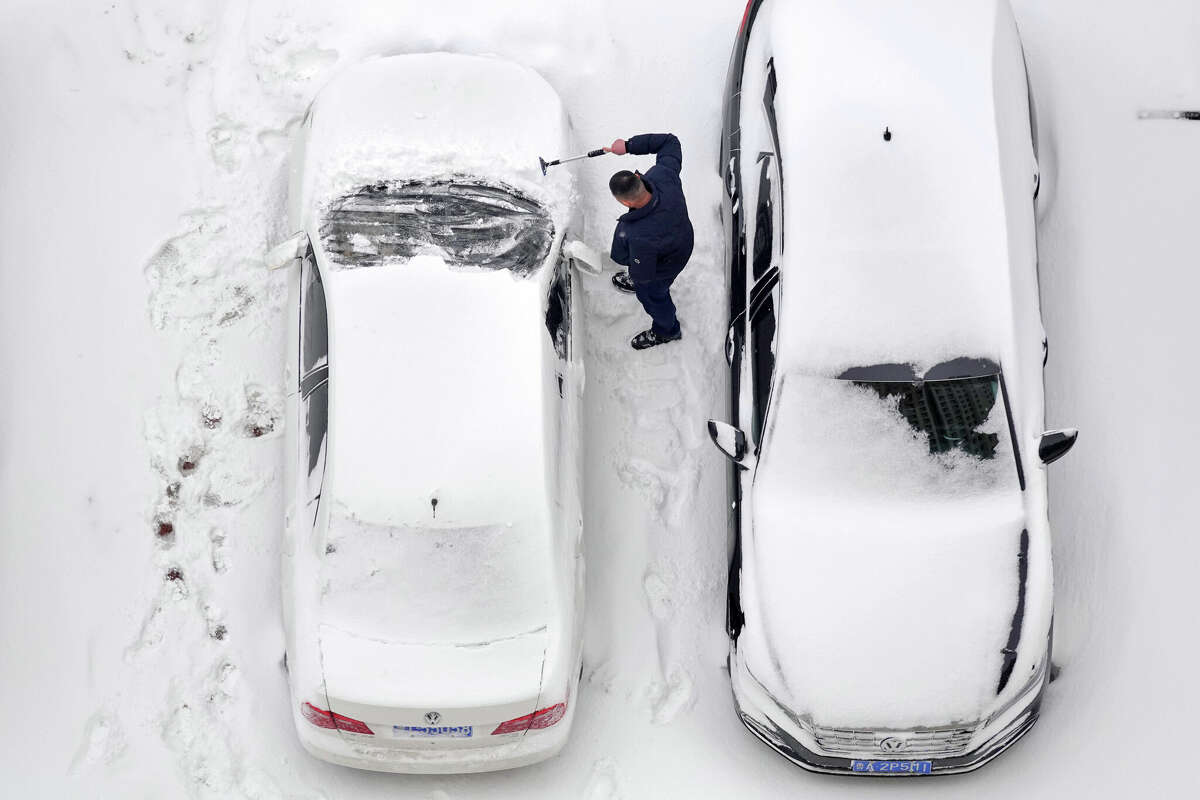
(438, 391)
(894, 250)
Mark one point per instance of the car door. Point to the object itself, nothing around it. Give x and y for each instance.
(314, 386)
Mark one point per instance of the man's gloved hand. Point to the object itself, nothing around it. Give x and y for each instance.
(618, 147)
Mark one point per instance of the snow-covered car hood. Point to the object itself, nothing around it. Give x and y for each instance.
(886, 578)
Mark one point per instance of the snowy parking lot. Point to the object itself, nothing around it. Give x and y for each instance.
(145, 156)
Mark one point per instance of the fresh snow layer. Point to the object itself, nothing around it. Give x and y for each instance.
(831, 440)
(160, 132)
(434, 585)
(439, 384)
(400, 675)
(433, 115)
(874, 558)
(895, 251)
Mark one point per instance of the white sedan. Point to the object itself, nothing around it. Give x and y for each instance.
(432, 568)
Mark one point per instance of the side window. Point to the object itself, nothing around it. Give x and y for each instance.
(316, 434)
(764, 219)
(762, 353)
(314, 372)
(776, 166)
(558, 309)
(314, 328)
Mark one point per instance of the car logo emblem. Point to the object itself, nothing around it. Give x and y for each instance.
(891, 744)
(433, 717)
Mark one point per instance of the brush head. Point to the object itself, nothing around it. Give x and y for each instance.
(542, 163)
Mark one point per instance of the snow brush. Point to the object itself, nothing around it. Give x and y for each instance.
(590, 154)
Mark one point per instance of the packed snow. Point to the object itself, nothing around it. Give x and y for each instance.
(146, 158)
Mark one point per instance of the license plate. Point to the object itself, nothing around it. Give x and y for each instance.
(893, 767)
(431, 732)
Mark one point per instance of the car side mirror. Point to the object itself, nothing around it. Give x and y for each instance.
(1055, 444)
(729, 440)
(583, 257)
(287, 252)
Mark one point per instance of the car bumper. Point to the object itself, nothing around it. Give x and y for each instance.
(768, 721)
(433, 756)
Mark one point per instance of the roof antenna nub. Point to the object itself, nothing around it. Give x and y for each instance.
(887, 134)
(433, 505)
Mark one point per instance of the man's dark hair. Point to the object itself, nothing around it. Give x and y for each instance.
(625, 185)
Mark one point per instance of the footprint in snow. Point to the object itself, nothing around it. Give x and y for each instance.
(602, 785)
(675, 697)
(103, 742)
(658, 595)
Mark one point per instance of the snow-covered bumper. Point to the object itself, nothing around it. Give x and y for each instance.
(919, 751)
(480, 751)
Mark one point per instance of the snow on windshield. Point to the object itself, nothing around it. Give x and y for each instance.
(873, 440)
(468, 223)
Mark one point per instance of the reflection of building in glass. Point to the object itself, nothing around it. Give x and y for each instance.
(947, 411)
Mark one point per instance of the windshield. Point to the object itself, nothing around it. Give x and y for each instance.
(947, 413)
(466, 222)
(891, 438)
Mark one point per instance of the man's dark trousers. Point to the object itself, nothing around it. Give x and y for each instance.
(655, 296)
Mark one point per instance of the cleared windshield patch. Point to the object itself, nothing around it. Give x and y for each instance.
(475, 224)
(948, 411)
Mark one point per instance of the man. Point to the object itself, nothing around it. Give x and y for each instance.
(654, 238)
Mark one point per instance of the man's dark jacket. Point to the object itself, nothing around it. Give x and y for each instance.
(655, 241)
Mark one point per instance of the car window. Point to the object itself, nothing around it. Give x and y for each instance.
(762, 352)
(558, 310)
(764, 219)
(773, 125)
(316, 436)
(947, 412)
(467, 222)
(314, 327)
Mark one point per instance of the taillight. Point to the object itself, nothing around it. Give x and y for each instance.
(745, 16)
(328, 719)
(535, 721)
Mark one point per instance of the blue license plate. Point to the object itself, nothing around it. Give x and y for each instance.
(892, 767)
(430, 732)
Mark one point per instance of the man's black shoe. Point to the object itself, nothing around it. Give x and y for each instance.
(649, 338)
(623, 282)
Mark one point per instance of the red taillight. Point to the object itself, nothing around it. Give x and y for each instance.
(535, 721)
(328, 719)
(745, 16)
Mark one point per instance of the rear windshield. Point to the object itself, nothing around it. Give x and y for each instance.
(468, 223)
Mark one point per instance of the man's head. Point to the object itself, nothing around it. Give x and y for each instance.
(628, 189)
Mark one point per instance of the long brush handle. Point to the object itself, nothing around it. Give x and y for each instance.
(589, 154)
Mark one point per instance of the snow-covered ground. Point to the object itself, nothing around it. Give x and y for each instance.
(143, 159)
